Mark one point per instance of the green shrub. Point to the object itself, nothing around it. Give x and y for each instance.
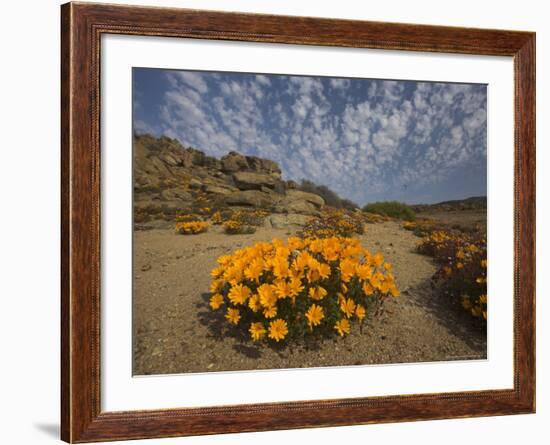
(393, 209)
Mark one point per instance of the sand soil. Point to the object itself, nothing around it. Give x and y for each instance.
(175, 331)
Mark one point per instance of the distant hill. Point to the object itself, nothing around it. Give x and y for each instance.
(472, 203)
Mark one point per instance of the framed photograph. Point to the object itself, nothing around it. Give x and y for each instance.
(275, 222)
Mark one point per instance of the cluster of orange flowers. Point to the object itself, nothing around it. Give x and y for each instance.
(239, 221)
(462, 260)
(234, 227)
(217, 218)
(333, 222)
(436, 241)
(191, 227)
(373, 218)
(470, 265)
(421, 226)
(291, 289)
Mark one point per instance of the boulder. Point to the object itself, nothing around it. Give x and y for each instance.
(219, 190)
(174, 207)
(170, 159)
(253, 180)
(141, 179)
(234, 162)
(263, 165)
(312, 198)
(280, 186)
(187, 158)
(177, 193)
(287, 221)
(252, 198)
(160, 166)
(195, 184)
(147, 207)
(296, 201)
(300, 206)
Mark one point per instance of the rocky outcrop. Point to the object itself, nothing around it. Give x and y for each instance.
(250, 198)
(310, 198)
(219, 189)
(287, 221)
(253, 181)
(234, 162)
(296, 201)
(176, 193)
(171, 179)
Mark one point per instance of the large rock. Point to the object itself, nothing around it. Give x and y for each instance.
(287, 221)
(195, 184)
(296, 201)
(298, 195)
(147, 207)
(253, 180)
(177, 193)
(219, 189)
(174, 207)
(263, 165)
(190, 157)
(161, 167)
(170, 159)
(234, 162)
(250, 198)
(303, 207)
(187, 158)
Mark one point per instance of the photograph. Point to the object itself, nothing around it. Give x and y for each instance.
(285, 221)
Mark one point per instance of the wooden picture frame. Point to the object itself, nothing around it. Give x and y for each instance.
(82, 25)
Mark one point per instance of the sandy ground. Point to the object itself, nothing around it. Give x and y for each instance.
(462, 218)
(175, 331)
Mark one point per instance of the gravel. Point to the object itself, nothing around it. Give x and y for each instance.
(175, 331)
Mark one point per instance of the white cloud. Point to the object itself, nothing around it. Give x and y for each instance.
(397, 134)
(340, 84)
(307, 85)
(143, 127)
(263, 80)
(192, 79)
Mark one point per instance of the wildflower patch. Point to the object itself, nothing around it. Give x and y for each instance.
(282, 291)
(462, 272)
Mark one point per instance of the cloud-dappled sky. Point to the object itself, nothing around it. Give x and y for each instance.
(367, 139)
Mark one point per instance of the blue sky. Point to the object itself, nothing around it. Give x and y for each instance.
(367, 139)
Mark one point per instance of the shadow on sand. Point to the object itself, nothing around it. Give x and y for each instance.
(450, 314)
(219, 329)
